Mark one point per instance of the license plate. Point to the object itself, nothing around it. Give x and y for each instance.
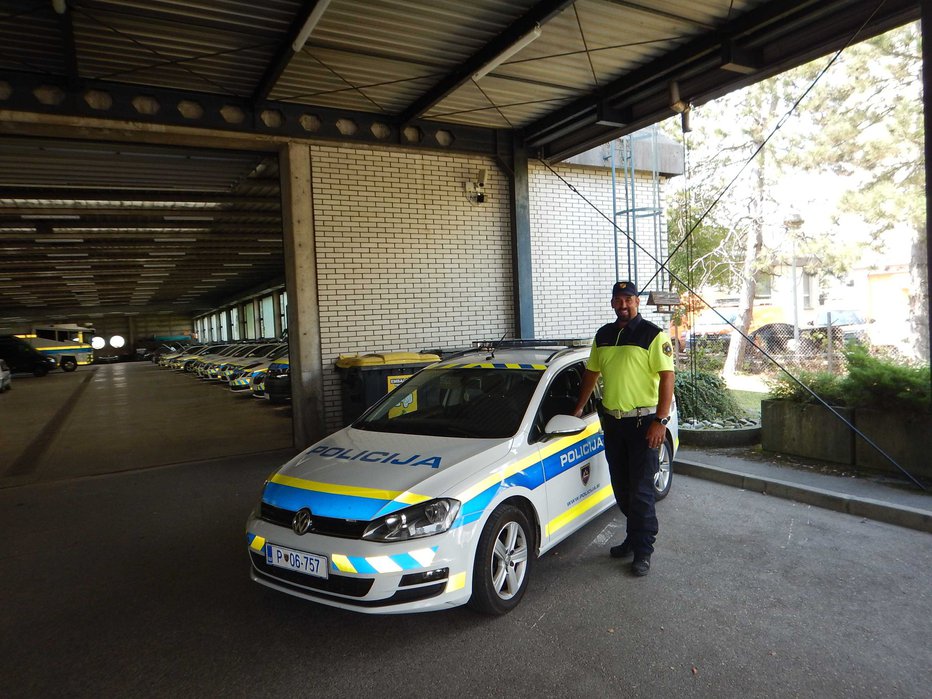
(300, 561)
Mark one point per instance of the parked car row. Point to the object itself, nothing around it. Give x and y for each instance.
(258, 367)
(6, 377)
(21, 357)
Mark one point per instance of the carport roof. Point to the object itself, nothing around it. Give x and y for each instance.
(140, 227)
(598, 69)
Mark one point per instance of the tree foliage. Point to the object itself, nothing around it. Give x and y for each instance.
(862, 121)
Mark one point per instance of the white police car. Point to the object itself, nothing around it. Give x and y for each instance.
(445, 491)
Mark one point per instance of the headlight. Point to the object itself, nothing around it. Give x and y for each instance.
(426, 519)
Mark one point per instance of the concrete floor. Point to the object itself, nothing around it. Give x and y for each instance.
(136, 582)
(114, 417)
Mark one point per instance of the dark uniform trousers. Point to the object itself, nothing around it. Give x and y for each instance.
(632, 465)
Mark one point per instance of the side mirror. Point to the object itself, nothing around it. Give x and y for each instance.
(561, 425)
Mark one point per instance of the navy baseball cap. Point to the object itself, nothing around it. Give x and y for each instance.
(624, 289)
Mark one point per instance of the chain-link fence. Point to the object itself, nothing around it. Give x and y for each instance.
(812, 347)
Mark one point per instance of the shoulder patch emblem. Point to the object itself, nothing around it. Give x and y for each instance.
(667, 349)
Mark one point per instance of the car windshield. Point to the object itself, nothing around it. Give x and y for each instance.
(475, 402)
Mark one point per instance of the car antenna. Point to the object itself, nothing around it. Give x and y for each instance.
(492, 349)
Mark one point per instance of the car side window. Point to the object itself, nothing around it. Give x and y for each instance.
(561, 398)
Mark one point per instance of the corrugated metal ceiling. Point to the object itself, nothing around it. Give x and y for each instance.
(132, 227)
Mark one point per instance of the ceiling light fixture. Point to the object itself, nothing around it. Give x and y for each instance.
(507, 53)
(66, 254)
(59, 240)
(45, 217)
(309, 24)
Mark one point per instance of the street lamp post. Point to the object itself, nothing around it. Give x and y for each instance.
(793, 223)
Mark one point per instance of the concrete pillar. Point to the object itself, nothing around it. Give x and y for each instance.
(925, 343)
(131, 334)
(301, 284)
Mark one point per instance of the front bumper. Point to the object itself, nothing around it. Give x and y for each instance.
(381, 578)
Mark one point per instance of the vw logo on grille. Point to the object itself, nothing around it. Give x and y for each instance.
(301, 522)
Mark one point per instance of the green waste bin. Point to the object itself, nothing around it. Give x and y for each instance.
(368, 377)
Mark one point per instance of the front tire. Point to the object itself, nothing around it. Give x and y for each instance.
(664, 476)
(68, 364)
(504, 560)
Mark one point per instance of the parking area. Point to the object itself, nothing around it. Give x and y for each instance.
(117, 417)
(137, 584)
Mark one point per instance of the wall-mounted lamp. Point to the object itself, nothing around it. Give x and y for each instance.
(475, 189)
(523, 41)
(309, 24)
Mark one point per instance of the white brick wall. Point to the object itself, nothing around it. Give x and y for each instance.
(406, 262)
(574, 248)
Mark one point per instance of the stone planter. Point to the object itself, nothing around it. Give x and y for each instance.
(904, 436)
(812, 431)
(735, 437)
(807, 430)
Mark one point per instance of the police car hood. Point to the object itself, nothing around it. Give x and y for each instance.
(361, 475)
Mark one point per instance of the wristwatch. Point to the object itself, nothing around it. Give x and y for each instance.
(663, 420)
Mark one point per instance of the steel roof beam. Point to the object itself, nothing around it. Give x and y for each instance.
(781, 35)
(274, 119)
(69, 50)
(283, 55)
(148, 195)
(539, 14)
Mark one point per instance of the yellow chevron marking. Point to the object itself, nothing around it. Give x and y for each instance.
(456, 582)
(353, 490)
(343, 563)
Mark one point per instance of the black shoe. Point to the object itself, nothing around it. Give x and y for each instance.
(623, 550)
(641, 565)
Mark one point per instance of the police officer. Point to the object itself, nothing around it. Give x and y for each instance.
(635, 359)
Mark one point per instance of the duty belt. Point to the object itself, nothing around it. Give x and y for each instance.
(637, 412)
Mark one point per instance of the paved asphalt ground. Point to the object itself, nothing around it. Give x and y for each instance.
(136, 585)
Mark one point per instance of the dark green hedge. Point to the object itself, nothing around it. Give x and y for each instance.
(871, 382)
(703, 396)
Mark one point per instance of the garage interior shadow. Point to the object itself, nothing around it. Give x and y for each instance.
(120, 417)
